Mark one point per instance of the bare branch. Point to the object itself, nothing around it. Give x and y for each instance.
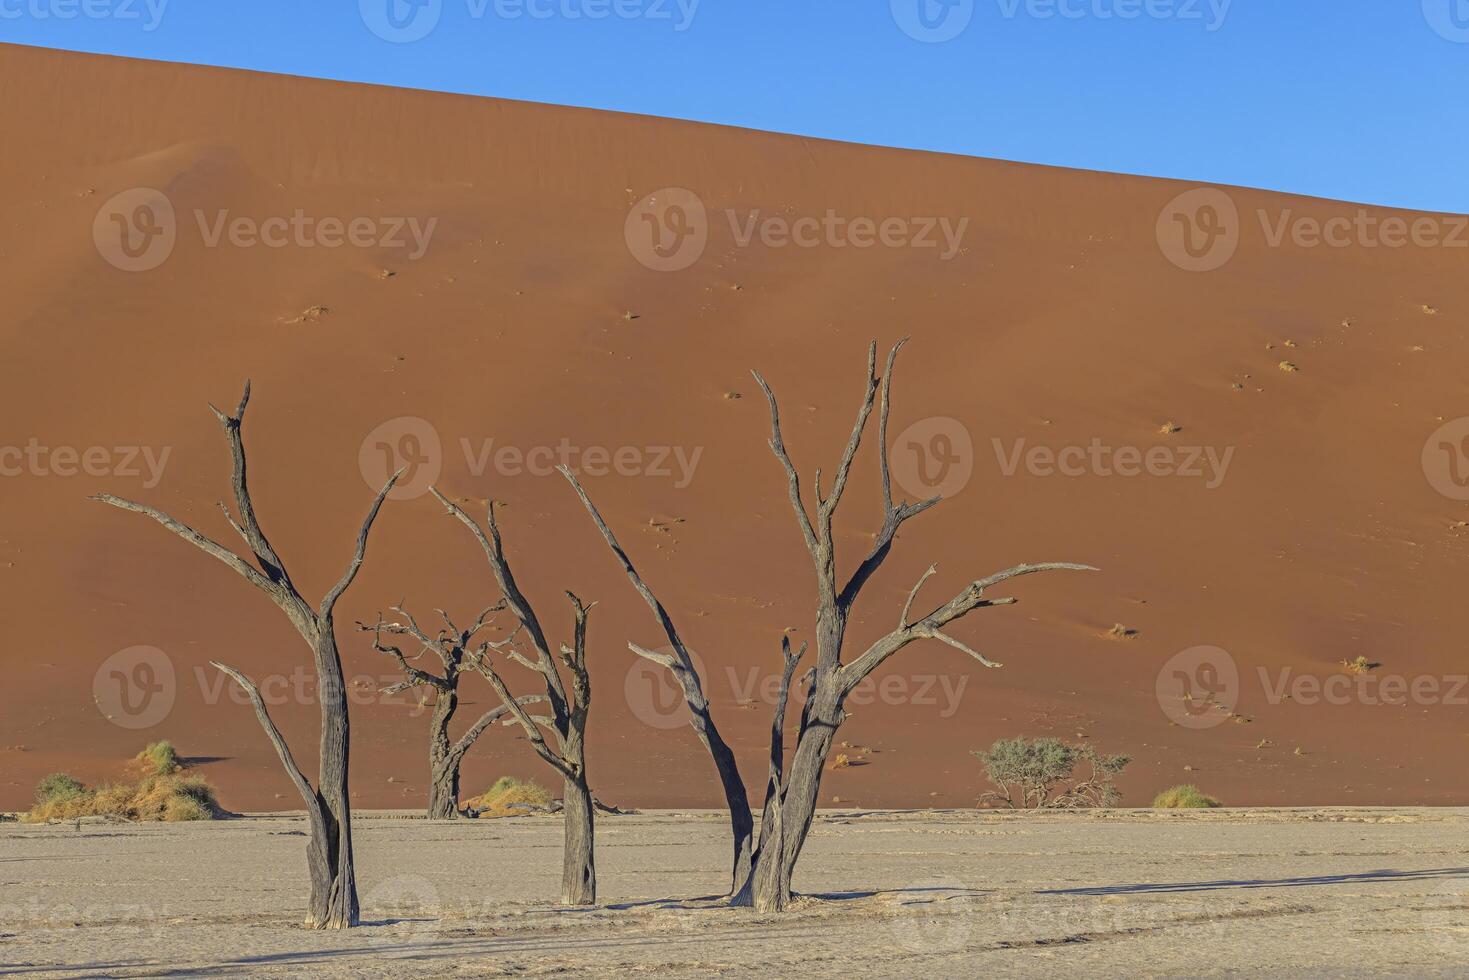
(207, 545)
(274, 733)
(360, 552)
(828, 507)
(777, 446)
(908, 606)
(930, 626)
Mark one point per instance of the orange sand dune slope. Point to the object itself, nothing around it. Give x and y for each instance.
(479, 289)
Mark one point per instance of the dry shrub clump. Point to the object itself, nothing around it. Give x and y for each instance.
(1185, 797)
(161, 793)
(510, 797)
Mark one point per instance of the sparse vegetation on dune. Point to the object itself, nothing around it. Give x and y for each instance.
(1186, 797)
(159, 759)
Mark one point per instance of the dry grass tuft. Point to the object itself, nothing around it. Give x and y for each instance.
(1359, 665)
(1186, 797)
(510, 797)
(170, 799)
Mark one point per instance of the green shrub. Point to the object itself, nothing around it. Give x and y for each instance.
(58, 786)
(1185, 797)
(1041, 774)
(159, 759)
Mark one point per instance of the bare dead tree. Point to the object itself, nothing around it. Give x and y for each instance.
(792, 792)
(682, 667)
(453, 648)
(832, 680)
(329, 851)
(568, 718)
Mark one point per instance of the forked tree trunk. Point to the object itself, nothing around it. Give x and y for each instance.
(578, 867)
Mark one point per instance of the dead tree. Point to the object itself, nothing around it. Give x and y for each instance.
(568, 718)
(682, 667)
(792, 792)
(453, 649)
(329, 852)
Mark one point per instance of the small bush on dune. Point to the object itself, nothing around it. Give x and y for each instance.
(510, 797)
(58, 786)
(159, 759)
(1184, 798)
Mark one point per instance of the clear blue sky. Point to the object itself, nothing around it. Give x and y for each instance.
(1365, 100)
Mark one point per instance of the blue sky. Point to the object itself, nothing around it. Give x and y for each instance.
(1365, 100)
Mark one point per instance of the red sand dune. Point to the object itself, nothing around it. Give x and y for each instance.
(1059, 322)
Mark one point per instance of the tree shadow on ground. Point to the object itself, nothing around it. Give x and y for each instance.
(1200, 886)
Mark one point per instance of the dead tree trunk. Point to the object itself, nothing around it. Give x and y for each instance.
(683, 670)
(329, 854)
(568, 718)
(831, 680)
(452, 646)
